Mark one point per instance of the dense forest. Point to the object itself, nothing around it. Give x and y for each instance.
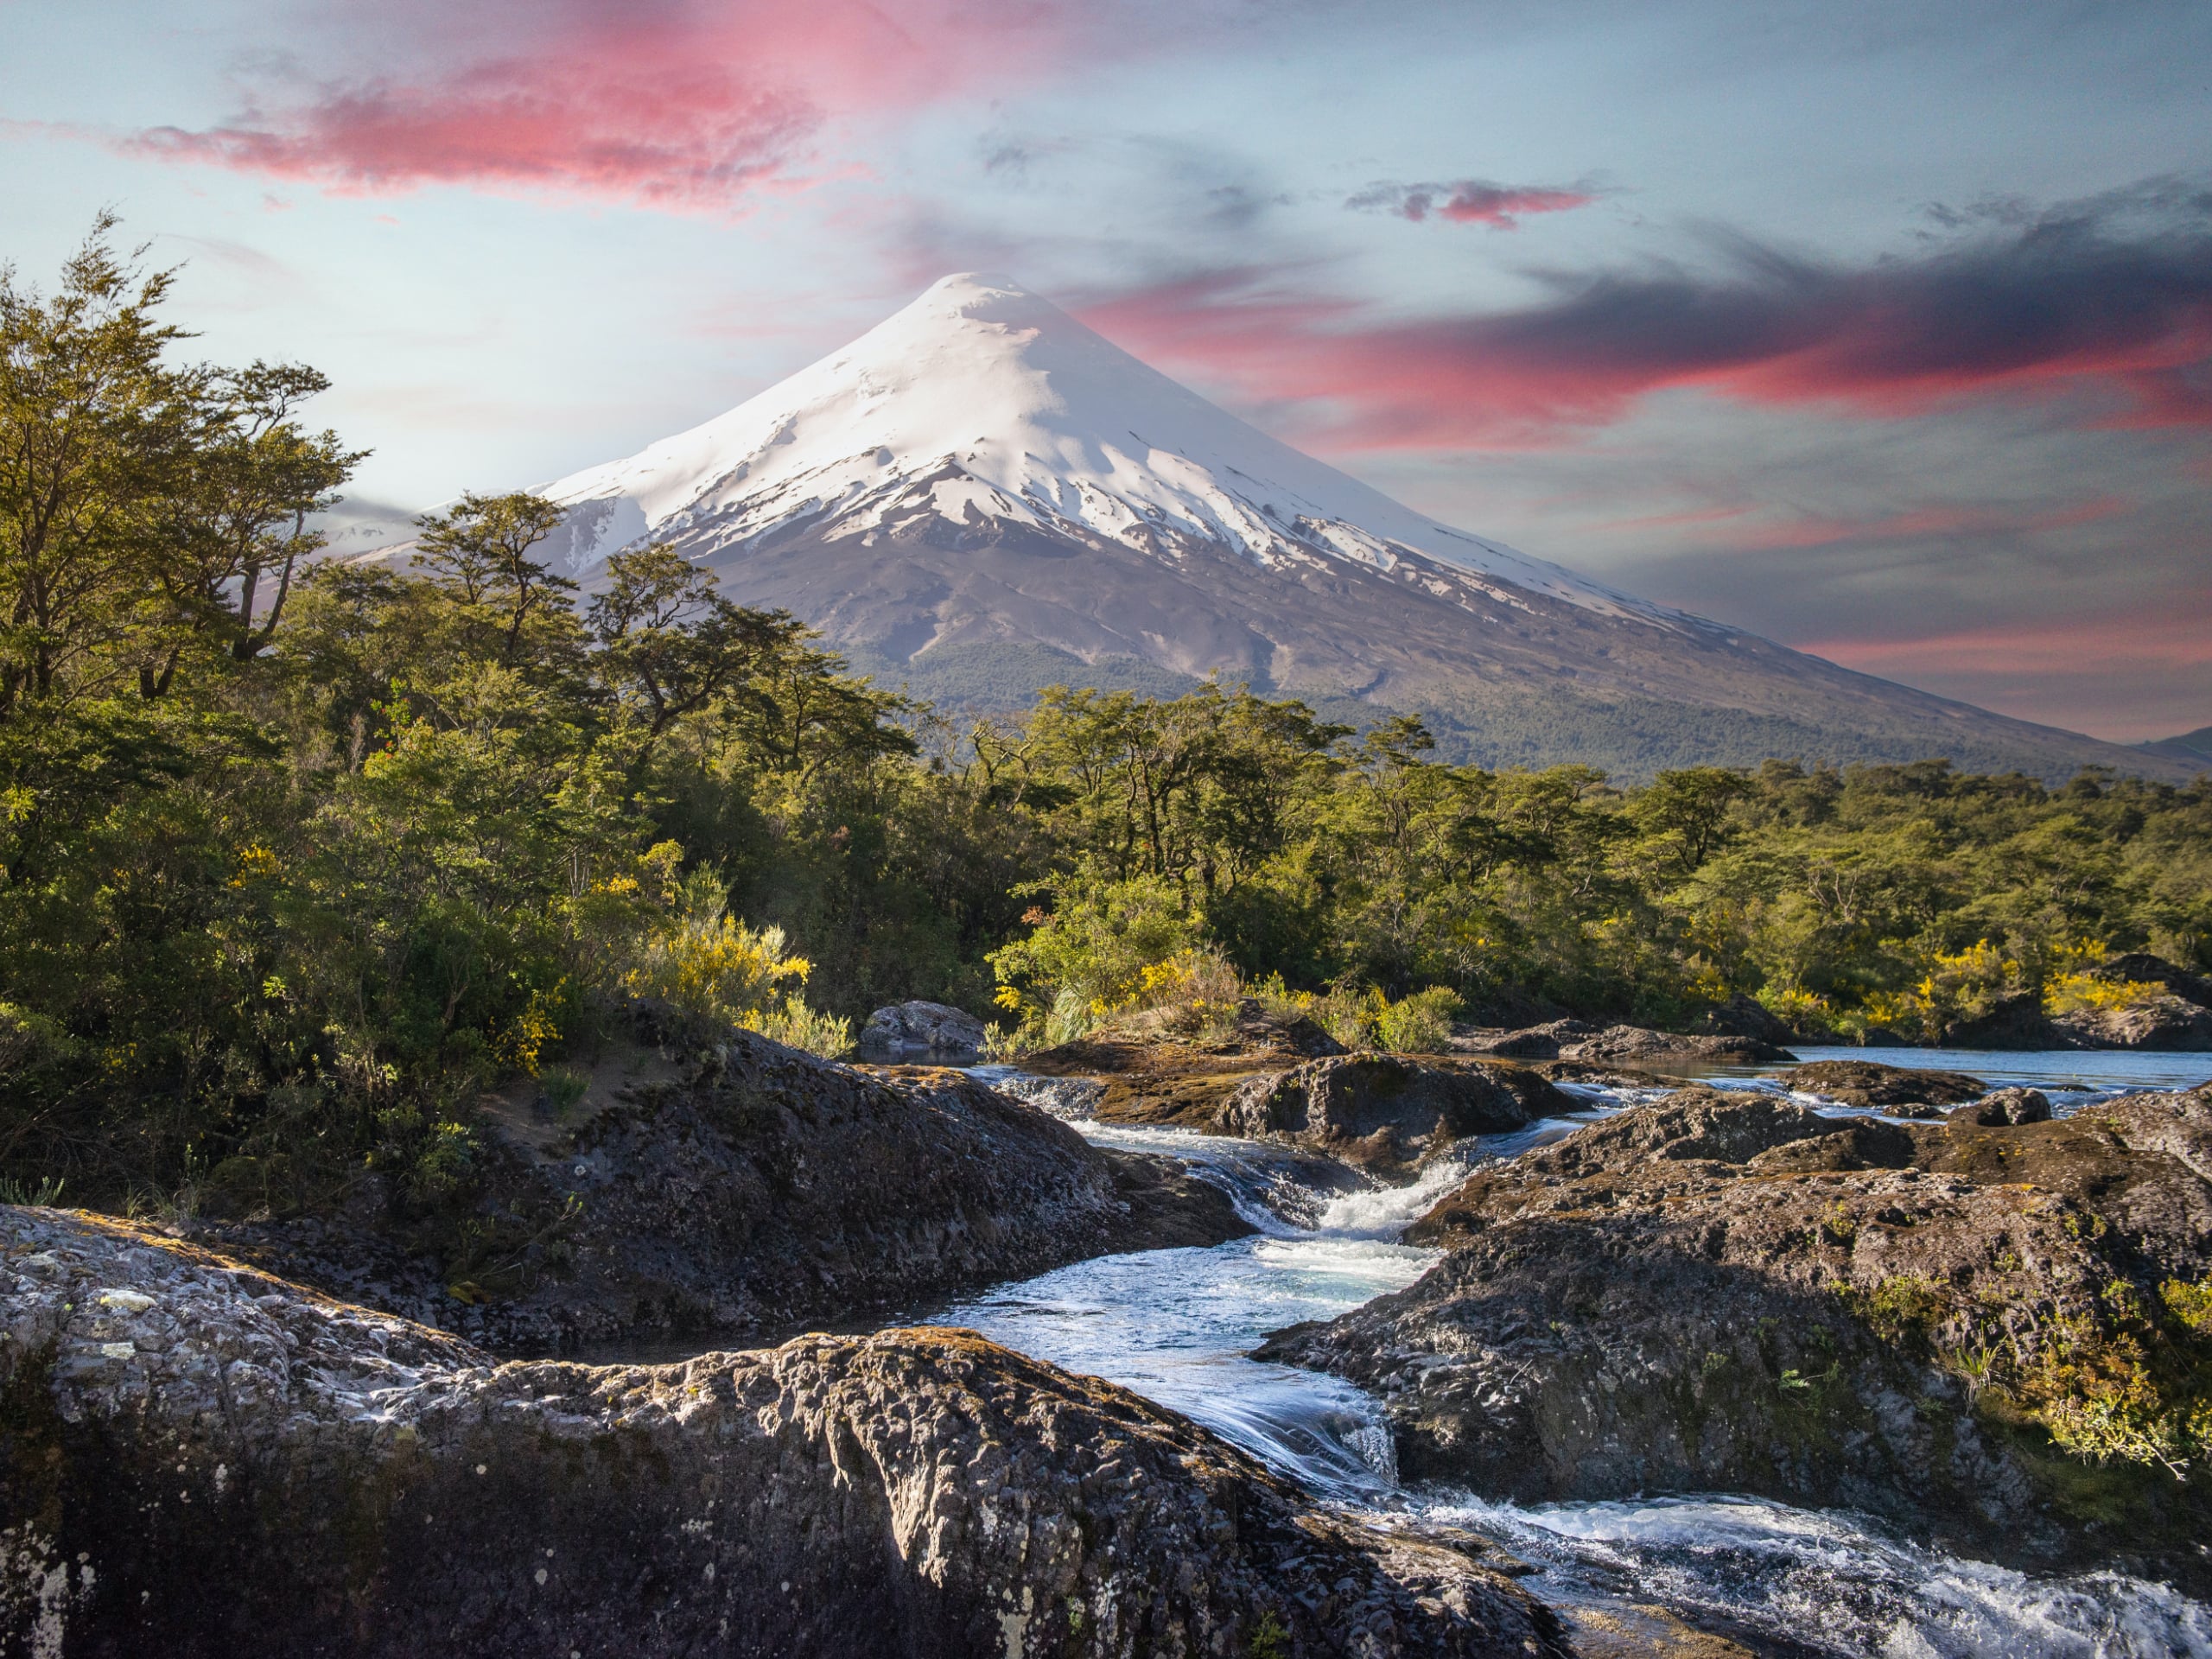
(299, 855)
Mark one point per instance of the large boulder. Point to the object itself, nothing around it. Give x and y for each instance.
(2002, 1106)
(1900, 1090)
(1997, 1337)
(1640, 1045)
(197, 1459)
(1149, 1070)
(922, 1031)
(1726, 1041)
(1386, 1111)
(752, 1190)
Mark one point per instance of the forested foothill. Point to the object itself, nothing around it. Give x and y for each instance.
(300, 855)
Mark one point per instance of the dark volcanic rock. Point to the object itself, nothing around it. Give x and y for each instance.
(196, 1460)
(2001, 1106)
(1384, 1110)
(1991, 1336)
(1149, 1073)
(759, 1190)
(1883, 1088)
(1636, 1043)
(1577, 1039)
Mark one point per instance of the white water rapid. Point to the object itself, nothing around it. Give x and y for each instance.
(1176, 1327)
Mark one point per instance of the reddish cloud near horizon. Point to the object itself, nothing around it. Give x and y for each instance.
(1473, 201)
(685, 106)
(2079, 646)
(2123, 319)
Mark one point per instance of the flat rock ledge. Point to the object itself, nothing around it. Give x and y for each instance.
(197, 1458)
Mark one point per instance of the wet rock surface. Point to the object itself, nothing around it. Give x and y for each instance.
(1385, 1112)
(755, 1189)
(1994, 1337)
(199, 1459)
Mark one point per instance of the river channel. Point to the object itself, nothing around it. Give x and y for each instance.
(1176, 1327)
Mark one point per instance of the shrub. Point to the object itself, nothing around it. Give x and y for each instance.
(2087, 993)
(1089, 957)
(714, 965)
(796, 1026)
(1420, 1024)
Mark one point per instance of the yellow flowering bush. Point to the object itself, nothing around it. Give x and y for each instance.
(714, 965)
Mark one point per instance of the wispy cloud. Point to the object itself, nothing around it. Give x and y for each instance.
(678, 104)
(1471, 201)
(2105, 301)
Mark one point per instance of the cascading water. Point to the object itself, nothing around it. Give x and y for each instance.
(1176, 1325)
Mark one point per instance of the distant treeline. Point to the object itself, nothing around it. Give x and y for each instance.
(299, 856)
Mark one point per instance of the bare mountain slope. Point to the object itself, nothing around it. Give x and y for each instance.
(981, 482)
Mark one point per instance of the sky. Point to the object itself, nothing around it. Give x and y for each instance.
(1885, 330)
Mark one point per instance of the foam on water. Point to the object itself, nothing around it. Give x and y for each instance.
(1822, 1582)
(1176, 1325)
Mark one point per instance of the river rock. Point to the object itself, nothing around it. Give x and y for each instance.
(934, 1031)
(1579, 1040)
(756, 1189)
(2001, 1106)
(199, 1459)
(1993, 1337)
(1900, 1090)
(1385, 1111)
(1639, 1044)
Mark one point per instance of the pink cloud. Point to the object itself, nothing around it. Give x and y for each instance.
(2088, 648)
(1922, 524)
(2121, 323)
(682, 104)
(1473, 201)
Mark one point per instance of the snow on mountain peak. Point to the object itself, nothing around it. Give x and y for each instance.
(983, 401)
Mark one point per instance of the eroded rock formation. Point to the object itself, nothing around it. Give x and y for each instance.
(1997, 1336)
(196, 1458)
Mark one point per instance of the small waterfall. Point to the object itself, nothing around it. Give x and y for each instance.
(1177, 1325)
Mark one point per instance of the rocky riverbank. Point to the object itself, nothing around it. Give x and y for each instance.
(721, 1184)
(1993, 1332)
(200, 1459)
(1385, 1115)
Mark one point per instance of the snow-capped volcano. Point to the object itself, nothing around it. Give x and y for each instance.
(980, 496)
(980, 400)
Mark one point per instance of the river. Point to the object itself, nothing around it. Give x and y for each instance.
(1176, 1327)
